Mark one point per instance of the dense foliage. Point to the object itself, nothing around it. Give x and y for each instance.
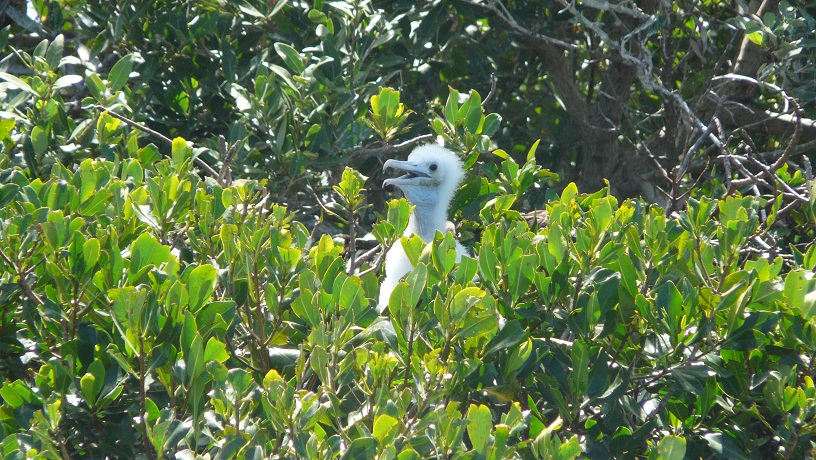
(183, 187)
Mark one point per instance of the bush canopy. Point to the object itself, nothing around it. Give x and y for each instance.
(192, 223)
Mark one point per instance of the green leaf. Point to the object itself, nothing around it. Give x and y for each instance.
(67, 80)
(304, 307)
(463, 301)
(180, 152)
(90, 253)
(413, 246)
(16, 393)
(8, 193)
(386, 102)
(502, 154)
(317, 16)
(579, 376)
(399, 213)
(6, 126)
(468, 267)
(408, 453)
(800, 292)
(54, 53)
(724, 446)
(201, 285)
(215, 351)
(670, 300)
(88, 180)
(319, 362)
(473, 116)
(147, 251)
(365, 447)
(120, 72)
(107, 124)
(569, 193)
(487, 263)
(17, 83)
(628, 272)
(491, 124)
(86, 384)
(517, 357)
(290, 57)
(250, 10)
(510, 335)
(671, 448)
(385, 428)
(757, 37)
(480, 422)
(570, 449)
(232, 445)
(452, 107)
(417, 279)
(598, 382)
(443, 254)
(192, 347)
(350, 294)
(809, 305)
(39, 140)
(520, 275)
(95, 86)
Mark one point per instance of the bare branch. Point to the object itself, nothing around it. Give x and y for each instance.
(386, 149)
(603, 5)
(497, 7)
(751, 178)
(32, 296)
(492, 89)
(365, 257)
(377, 263)
(198, 161)
(225, 175)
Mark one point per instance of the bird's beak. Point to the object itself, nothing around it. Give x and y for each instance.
(414, 174)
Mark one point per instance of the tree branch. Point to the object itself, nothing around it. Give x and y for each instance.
(198, 161)
(550, 51)
(735, 115)
(497, 8)
(388, 149)
(32, 296)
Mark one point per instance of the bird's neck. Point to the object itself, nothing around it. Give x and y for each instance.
(426, 220)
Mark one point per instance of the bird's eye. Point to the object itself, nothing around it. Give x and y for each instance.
(432, 167)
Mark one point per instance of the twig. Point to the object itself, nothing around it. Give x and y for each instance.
(769, 173)
(313, 235)
(644, 65)
(225, 175)
(240, 358)
(137, 125)
(690, 152)
(377, 263)
(352, 244)
(751, 177)
(492, 89)
(366, 256)
(496, 7)
(603, 5)
(32, 296)
(376, 151)
(808, 168)
(198, 161)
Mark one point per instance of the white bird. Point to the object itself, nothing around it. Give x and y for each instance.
(432, 176)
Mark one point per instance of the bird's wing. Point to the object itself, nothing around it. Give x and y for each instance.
(397, 265)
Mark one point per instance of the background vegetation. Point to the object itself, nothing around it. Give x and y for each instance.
(184, 186)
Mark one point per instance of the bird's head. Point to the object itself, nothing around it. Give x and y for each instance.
(432, 175)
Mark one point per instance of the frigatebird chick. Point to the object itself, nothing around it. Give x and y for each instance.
(432, 176)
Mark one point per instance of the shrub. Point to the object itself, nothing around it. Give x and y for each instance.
(154, 307)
